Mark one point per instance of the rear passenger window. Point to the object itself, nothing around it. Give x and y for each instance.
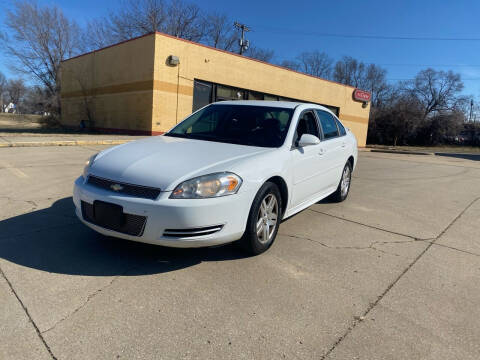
(328, 123)
(341, 128)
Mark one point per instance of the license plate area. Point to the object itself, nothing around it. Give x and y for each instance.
(108, 215)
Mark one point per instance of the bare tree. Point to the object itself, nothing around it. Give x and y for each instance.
(133, 18)
(349, 71)
(259, 53)
(184, 21)
(290, 64)
(219, 32)
(98, 34)
(3, 84)
(139, 17)
(394, 124)
(376, 83)
(436, 90)
(315, 63)
(15, 91)
(370, 77)
(38, 39)
(35, 101)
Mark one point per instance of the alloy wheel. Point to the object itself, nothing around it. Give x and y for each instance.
(267, 218)
(345, 184)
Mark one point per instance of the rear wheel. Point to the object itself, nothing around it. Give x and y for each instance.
(263, 220)
(344, 186)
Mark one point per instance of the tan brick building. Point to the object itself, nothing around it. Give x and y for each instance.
(132, 87)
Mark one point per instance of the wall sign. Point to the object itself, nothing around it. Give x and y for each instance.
(361, 95)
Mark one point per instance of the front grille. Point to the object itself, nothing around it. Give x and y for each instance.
(131, 225)
(184, 233)
(127, 189)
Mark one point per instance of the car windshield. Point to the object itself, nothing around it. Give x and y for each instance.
(237, 124)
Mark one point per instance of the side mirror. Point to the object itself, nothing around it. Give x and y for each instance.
(308, 139)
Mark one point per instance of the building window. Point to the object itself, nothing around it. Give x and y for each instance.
(205, 93)
(202, 94)
(271, 97)
(229, 93)
(254, 95)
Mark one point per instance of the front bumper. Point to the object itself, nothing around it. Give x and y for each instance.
(231, 212)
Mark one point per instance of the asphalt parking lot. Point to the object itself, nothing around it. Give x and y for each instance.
(392, 273)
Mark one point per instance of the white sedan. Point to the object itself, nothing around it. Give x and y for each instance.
(230, 171)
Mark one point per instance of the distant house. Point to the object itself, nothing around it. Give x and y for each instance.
(10, 108)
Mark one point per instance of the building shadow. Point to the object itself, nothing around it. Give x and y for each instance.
(474, 157)
(54, 240)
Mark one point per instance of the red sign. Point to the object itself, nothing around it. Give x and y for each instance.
(361, 95)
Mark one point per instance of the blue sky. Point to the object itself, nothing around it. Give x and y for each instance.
(290, 27)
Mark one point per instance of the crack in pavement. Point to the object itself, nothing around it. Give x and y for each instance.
(369, 247)
(456, 249)
(30, 202)
(369, 226)
(358, 319)
(90, 297)
(37, 330)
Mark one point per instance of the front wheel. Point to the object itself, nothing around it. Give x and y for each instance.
(263, 220)
(344, 186)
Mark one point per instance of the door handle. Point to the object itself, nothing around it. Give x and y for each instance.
(344, 145)
(321, 152)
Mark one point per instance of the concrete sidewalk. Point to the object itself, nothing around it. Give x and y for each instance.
(74, 139)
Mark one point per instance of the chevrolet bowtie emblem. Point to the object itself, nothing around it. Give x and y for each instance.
(116, 187)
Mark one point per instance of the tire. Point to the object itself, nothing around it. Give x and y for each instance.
(265, 216)
(344, 185)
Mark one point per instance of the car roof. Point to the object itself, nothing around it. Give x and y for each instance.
(277, 104)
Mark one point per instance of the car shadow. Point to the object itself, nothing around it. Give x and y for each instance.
(54, 240)
(328, 200)
(474, 157)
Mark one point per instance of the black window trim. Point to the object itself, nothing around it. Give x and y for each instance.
(319, 128)
(344, 128)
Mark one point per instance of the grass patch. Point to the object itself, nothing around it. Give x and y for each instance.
(433, 149)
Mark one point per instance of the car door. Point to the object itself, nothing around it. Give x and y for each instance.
(334, 147)
(307, 162)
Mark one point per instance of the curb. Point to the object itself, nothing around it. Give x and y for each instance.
(403, 152)
(63, 143)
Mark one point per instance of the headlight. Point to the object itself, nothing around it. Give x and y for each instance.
(87, 165)
(208, 186)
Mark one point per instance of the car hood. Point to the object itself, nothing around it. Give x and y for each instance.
(164, 161)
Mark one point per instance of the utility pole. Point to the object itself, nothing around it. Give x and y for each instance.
(244, 43)
(471, 109)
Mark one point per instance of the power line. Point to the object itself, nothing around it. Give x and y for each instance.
(430, 65)
(472, 79)
(282, 57)
(363, 36)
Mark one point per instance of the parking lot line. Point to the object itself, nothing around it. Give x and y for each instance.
(17, 172)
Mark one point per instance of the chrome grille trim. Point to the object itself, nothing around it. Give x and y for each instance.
(140, 191)
(192, 232)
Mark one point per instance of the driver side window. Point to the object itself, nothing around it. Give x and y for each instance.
(307, 124)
